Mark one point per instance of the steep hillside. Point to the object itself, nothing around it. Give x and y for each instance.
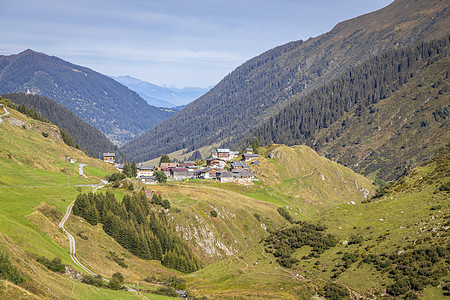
(118, 112)
(37, 183)
(367, 117)
(295, 178)
(260, 87)
(161, 96)
(394, 246)
(86, 136)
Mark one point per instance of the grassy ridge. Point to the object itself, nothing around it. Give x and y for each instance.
(34, 196)
(412, 214)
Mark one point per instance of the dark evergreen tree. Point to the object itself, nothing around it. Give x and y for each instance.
(255, 145)
(164, 159)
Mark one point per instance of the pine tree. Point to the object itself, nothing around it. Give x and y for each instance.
(164, 159)
(133, 169)
(255, 145)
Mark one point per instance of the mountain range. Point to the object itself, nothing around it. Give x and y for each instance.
(337, 116)
(162, 96)
(260, 87)
(118, 112)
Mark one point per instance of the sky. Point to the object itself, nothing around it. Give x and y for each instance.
(176, 43)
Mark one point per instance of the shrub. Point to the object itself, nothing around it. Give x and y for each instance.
(115, 176)
(8, 271)
(355, 239)
(213, 213)
(91, 280)
(45, 134)
(336, 291)
(166, 291)
(55, 265)
(285, 214)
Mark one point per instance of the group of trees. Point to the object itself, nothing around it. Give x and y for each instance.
(351, 98)
(130, 169)
(135, 226)
(361, 86)
(31, 113)
(413, 270)
(8, 271)
(283, 242)
(54, 265)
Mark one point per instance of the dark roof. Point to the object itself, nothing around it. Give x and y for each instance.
(145, 167)
(243, 173)
(225, 174)
(109, 154)
(256, 162)
(240, 163)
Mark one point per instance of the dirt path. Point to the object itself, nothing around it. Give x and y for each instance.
(72, 240)
(5, 114)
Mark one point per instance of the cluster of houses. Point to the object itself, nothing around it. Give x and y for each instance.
(222, 166)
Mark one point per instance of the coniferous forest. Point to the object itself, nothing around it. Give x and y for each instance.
(136, 227)
(360, 88)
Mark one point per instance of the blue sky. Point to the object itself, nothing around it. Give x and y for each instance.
(173, 42)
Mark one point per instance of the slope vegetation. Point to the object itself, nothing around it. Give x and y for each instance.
(295, 179)
(37, 183)
(260, 87)
(393, 245)
(118, 112)
(86, 136)
(361, 107)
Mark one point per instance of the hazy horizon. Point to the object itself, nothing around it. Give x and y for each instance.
(168, 43)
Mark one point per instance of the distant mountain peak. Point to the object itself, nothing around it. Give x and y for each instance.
(159, 95)
(118, 112)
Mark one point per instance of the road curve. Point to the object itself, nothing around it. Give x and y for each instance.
(71, 238)
(5, 114)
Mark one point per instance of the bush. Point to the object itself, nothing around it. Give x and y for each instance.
(55, 265)
(8, 271)
(166, 291)
(115, 176)
(213, 213)
(335, 291)
(91, 280)
(285, 214)
(355, 239)
(45, 134)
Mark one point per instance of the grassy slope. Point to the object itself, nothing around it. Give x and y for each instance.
(399, 221)
(295, 177)
(400, 128)
(313, 187)
(34, 195)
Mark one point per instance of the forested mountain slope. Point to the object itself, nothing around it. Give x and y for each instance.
(260, 87)
(379, 117)
(118, 112)
(86, 136)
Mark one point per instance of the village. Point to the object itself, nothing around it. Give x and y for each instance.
(223, 165)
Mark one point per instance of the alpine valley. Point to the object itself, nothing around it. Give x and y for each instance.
(338, 188)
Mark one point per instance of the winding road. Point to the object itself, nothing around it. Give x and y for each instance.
(5, 114)
(72, 239)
